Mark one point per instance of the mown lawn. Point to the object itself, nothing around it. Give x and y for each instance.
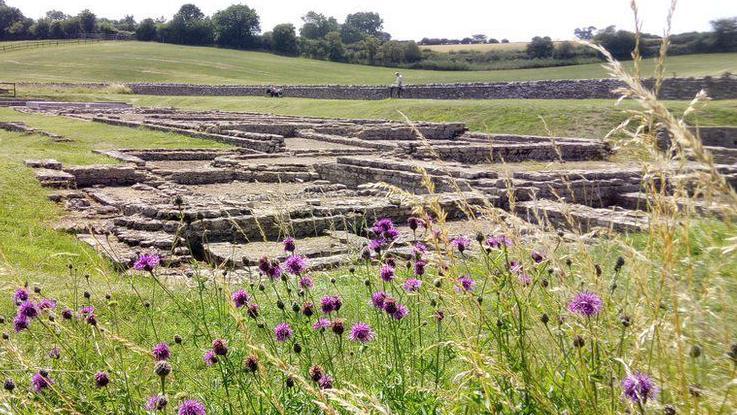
(156, 62)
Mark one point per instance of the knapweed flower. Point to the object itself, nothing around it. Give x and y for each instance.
(54, 353)
(401, 312)
(321, 324)
(253, 310)
(161, 352)
(308, 309)
(67, 313)
(382, 225)
(330, 303)
(315, 373)
(220, 347)
(251, 364)
(191, 407)
(415, 223)
(325, 382)
(147, 262)
(283, 332)
(412, 285)
(586, 304)
(162, 368)
(210, 358)
(91, 320)
(387, 273)
(240, 298)
(361, 332)
(20, 323)
(289, 245)
(87, 310)
(499, 242)
(102, 379)
(296, 264)
(466, 283)
(41, 381)
(306, 283)
(515, 267)
(271, 269)
(156, 403)
(47, 304)
(420, 267)
(376, 245)
(337, 326)
(524, 279)
(537, 256)
(20, 295)
(377, 299)
(639, 387)
(28, 309)
(461, 243)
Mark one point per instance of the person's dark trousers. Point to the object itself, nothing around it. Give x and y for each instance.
(391, 91)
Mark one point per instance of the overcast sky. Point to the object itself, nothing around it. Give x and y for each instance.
(517, 20)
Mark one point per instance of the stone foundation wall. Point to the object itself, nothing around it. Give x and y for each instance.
(88, 176)
(673, 88)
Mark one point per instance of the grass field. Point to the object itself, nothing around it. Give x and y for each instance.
(155, 62)
(485, 47)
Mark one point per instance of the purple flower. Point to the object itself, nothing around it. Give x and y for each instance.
(321, 324)
(461, 243)
(20, 295)
(156, 403)
(67, 313)
(191, 407)
(271, 269)
(390, 234)
(524, 279)
(586, 304)
(91, 320)
(240, 298)
(210, 358)
(101, 379)
(401, 312)
(387, 273)
(325, 382)
(361, 332)
(412, 285)
(639, 387)
(306, 282)
(147, 262)
(382, 225)
(28, 309)
(420, 247)
(253, 310)
(515, 266)
(20, 323)
(377, 299)
(420, 267)
(283, 332)
(289, 245)
(220, 347)
(537, 257)
(161, 351)
(376, 245)
(87, 310)
(466, 283)
(415, 223)
(330, 303)
(41, 381)
(47, 304)
(498, 241)
(54, 353)
(296, 264)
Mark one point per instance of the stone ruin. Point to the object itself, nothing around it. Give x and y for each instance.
(324, 182)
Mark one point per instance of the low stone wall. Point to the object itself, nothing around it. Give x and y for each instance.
(672, 88)
(88, 176)
(718, 136)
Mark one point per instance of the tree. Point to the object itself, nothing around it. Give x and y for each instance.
(412, 52)
(56, 15)
(41, 29)
(492, 40)
(392, 53)
(284, 39)
(237, 27)
(584, 33)
(359, 25)
(565, 50)
(317, 25)
(479, 38)
(72, 27)
(56, 30)
(88, 21)
(619, 43)
(11, 22)
(725, 34)
(146, 31)
(335, 48)
(370, 46)
(505, 40)
(189, 27)
(128, 23)
(540, 47)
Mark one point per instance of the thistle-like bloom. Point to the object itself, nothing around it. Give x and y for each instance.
(337, 326)
(315, 373)
(210, 358)
(308, 309)
(28, 309)
(412, 285)
(296, 264)
(220, 347)
(321, 324)
(306, 282)
(41, 381)
(330, 303)
(67, 313)
(415, 223)
(147, 262)
(251, 364)
(47, 304)
(515, 267)
(537, 256)
(377, 299)
(289, 245)
(253, 310)
(499, 242)
(240, 298)
(271, 269)
(461, 243)
(586, 304)
(639, 387)
(466, 283)
(20, 296)
(376, 245)
(156, 403)
(191, 407)
(325, 382)
(524, 279)
(382, 225)
(420, 267)
(401, 312)
(20, 323)
(87, 310)
(55, 353)
(102, 379)
(283, 332)
(161, 352)
(387, 273)
(361, 332)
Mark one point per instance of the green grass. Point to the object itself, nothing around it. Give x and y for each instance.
(156, 62)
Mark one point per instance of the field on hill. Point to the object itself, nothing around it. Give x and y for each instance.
(155, 62)
(483, 47)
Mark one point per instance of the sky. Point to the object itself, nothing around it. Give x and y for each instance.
(516, 20)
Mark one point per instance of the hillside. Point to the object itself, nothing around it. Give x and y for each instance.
(155, 62)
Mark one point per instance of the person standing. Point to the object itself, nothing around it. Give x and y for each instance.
(398, 85)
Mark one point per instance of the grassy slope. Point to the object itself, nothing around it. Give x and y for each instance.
(135, 61)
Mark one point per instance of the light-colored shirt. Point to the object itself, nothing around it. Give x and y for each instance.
(399, 81)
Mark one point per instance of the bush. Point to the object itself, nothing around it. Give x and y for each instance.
(147, 31)
(284, 39)
(540, 47)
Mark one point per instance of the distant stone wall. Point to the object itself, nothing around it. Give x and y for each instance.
(673, 88)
